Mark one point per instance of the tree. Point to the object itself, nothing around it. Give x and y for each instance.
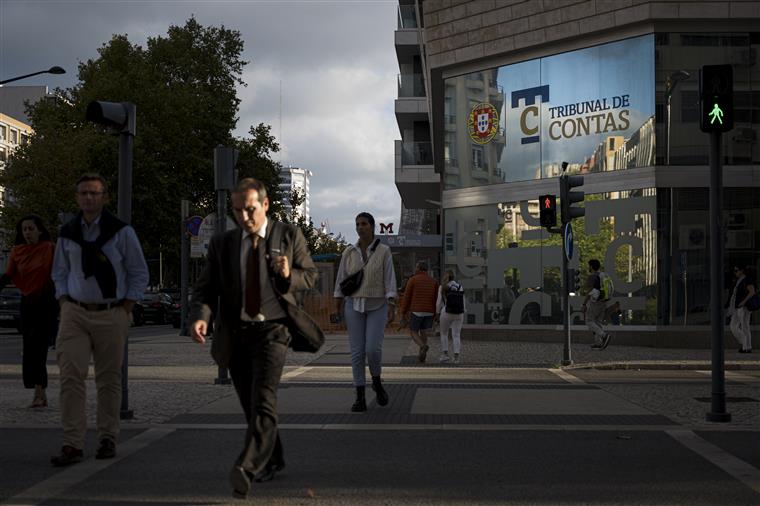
(184, 87)
(319, 243)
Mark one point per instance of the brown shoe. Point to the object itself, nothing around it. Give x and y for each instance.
(106, 450)
(69, 455)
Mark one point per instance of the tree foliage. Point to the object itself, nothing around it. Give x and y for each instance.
(184, 87)
(318, 242)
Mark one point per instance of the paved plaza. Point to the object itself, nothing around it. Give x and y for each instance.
(506, 426)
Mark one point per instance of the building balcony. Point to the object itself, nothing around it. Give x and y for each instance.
(407, 42)
(407, 17)
(411, 85)
(416, 180)
(410, 109)
(416, 153)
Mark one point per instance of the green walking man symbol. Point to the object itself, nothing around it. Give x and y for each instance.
(716, 113)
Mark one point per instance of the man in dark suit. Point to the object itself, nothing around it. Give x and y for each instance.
(249, 285)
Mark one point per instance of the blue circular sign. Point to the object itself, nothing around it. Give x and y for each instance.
(567, 236)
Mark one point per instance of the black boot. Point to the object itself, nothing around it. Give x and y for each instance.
(382, 395)
(361, 403)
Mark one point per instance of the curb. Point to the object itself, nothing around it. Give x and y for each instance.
(695, 365)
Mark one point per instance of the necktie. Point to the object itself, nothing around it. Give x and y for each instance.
(252, 288)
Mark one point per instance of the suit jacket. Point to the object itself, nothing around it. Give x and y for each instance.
(221, 282)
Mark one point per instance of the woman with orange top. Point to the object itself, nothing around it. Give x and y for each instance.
(29, 269)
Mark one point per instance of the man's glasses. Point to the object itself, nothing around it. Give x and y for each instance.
(90, 194)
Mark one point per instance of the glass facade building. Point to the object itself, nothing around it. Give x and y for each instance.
(625, 115)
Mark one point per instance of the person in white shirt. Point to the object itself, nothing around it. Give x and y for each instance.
(450, 310)
(368, 309)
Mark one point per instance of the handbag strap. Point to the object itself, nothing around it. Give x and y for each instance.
(371, 250)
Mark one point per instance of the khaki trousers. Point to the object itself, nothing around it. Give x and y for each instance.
(81, 333)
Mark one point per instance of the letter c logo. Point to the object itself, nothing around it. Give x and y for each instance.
(523, 123)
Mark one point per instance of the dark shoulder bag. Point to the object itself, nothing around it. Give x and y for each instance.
(352, 283)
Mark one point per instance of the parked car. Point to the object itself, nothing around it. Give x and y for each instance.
(10, 308)
(138, 320)
(175, 316)
(156, 307)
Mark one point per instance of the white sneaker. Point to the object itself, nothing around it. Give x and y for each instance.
(444, 357)
(456, 358)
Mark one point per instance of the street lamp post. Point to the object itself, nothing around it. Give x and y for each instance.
(670, 87)
(51, 70)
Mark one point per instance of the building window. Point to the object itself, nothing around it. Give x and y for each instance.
(478, 162)
(14, 136)
(3, 132)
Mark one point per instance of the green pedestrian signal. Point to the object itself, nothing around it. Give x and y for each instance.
(716, 113)
(716, 98)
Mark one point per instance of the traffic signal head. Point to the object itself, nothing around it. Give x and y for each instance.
(548, 210)
(716, 98)
(576, 280)
(119, 117)
(568, 198)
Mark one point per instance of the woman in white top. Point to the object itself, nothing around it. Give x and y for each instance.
(369, 308)
(451, 294)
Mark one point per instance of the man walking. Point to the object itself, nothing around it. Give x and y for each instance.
(420, 296)
(253, 272)
(595, 304)
(99, 272)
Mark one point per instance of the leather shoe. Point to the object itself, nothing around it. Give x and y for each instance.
(241, 482)
(69, 455)
(269, 472)
(106, 450)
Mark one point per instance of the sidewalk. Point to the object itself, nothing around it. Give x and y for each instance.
(507, 418)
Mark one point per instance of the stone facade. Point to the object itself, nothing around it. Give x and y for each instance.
(460, 31)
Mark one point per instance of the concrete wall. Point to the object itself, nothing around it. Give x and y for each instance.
(460, 31)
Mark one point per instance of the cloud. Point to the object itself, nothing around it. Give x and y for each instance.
(335, 59)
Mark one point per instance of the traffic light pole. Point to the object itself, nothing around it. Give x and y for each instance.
(225, 159)
(126, 141)
(184, 267)
(718, 401)
(566, 353)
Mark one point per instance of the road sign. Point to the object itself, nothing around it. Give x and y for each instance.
(567, 237)
(193, 224)
(207, 229)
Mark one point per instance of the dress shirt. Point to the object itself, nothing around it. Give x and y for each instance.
(270, 306)
(124, 252)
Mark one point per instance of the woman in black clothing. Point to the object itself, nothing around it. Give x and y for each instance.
(740, 315)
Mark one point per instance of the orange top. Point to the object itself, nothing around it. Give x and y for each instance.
(30, 265)
(420, 295)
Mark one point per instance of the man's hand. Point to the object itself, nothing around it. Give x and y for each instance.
(198, 331)
(63, 300)
(281, 266)
(391, 313)
(128, 305)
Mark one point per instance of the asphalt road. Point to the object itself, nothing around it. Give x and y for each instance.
(450, 436)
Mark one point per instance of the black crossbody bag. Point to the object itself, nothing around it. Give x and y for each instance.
(352, 283)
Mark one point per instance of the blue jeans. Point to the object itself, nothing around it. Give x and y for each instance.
(365, 336)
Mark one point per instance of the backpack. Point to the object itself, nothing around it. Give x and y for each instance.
(753, 303)
(454, 300)
(607, 288)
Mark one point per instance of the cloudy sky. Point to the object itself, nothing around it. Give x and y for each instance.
(334, 60)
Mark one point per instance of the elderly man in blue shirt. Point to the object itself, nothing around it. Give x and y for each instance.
(99, 272)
